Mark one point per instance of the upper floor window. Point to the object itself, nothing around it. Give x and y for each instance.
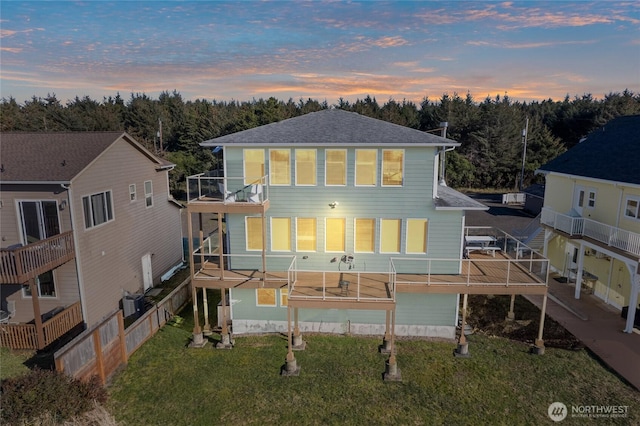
(632, 209)
(253, 229)
(98, 209)
(281, 234)
(335, 234)
(306, 167)
(335, 167)
(306, 234)
(587, 198)
(280, 166)
(253, 165)
(365, 234)
(392, 167)
(390, 235)
(132, 192)
(366, 167)
(148, 193)
(416, 235)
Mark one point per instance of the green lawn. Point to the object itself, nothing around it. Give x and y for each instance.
(167, 383)
(12, 362)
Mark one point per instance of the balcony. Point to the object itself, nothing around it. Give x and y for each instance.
(514, 269)
(21, 264)
(27, 336)
(214, 194)
(580, 227)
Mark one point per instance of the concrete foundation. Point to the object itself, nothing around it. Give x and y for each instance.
(225, 342)
(198, 341)
(290, 367)
(391, 372)
(462, 351)
(385, 348)
(298, 343)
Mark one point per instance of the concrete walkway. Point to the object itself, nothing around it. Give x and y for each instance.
(598, 326)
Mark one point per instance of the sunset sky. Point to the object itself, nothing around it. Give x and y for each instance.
(322, 50)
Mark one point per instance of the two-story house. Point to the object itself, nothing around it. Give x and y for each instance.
(591, 214)
(85, 218)
(336, 222)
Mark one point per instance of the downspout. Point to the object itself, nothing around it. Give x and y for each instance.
(77, 253)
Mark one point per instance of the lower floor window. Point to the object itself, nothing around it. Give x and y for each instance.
(266, 297)
(45, 284)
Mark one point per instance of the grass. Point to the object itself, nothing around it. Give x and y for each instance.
(341, 383)
(12, 363)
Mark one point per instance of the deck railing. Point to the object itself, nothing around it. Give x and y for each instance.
(584, 227)
(204, 187)
(25, 336)
(21, 264)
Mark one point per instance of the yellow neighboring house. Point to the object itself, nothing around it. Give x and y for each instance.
(591, 215)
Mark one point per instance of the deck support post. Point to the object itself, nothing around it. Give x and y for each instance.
(385, 348)
(206, 329)
(511, 315)
(391, 371)
(298, 343)
(225, 339)
(37, 316)
(462, 351)
(290, 367)
(538, 348)
(197, 340)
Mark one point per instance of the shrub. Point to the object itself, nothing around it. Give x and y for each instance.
(46, 392)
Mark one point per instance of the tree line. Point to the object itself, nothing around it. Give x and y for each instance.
(490, 131)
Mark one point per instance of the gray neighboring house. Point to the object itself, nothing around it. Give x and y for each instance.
(85, 219)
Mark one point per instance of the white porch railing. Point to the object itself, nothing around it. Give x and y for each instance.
(204, 187)
(584, 227)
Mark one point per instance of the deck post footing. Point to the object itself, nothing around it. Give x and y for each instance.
(197, 341)
(462, 351)
(225, 342)
(391, 371)
(298, 344)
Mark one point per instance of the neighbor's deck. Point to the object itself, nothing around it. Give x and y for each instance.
(481, 274)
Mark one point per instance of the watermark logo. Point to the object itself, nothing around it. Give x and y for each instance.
(557, 411)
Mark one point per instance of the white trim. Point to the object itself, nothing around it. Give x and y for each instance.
(275, 305)
(271, 233)
(295, 168)
(355, 234)
(344, 237)
(382, 219)
(113, 210)
(133, 193)
(148, 195)
(21, 228)
(246, 233)
(382, 168)
(296, 235)
(289, 167)
(355, 168)
(40, 296)
(587, 178)
(346, 164)
(244, 165)
(406, 233)
(281, 293)
(628, 198)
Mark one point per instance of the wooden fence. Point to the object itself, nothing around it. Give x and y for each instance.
(103, 349)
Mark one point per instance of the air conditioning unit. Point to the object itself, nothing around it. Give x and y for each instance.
(133, 304)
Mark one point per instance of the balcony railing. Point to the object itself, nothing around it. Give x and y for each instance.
(204, 187)
(21, 264)
(584, 227)
(25, 336)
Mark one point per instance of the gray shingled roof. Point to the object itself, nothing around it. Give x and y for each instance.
(50, 157)
(330, 127)
(611, 152)
(450, 199)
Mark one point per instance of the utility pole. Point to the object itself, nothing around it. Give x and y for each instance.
(524, 152)
(160, 135)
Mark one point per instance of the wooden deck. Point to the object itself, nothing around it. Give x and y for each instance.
(482, 274)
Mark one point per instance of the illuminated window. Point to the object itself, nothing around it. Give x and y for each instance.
(390, 235)
(417, 235)
(253, 165)
(305, 167)
(392, 166)
(365, 230)
(335, 167)
(254, 233)
(280, 166)
(366, 167)
(284, 297)
(306, 234)
(335, 234)
(266, 297)
(280, 234)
